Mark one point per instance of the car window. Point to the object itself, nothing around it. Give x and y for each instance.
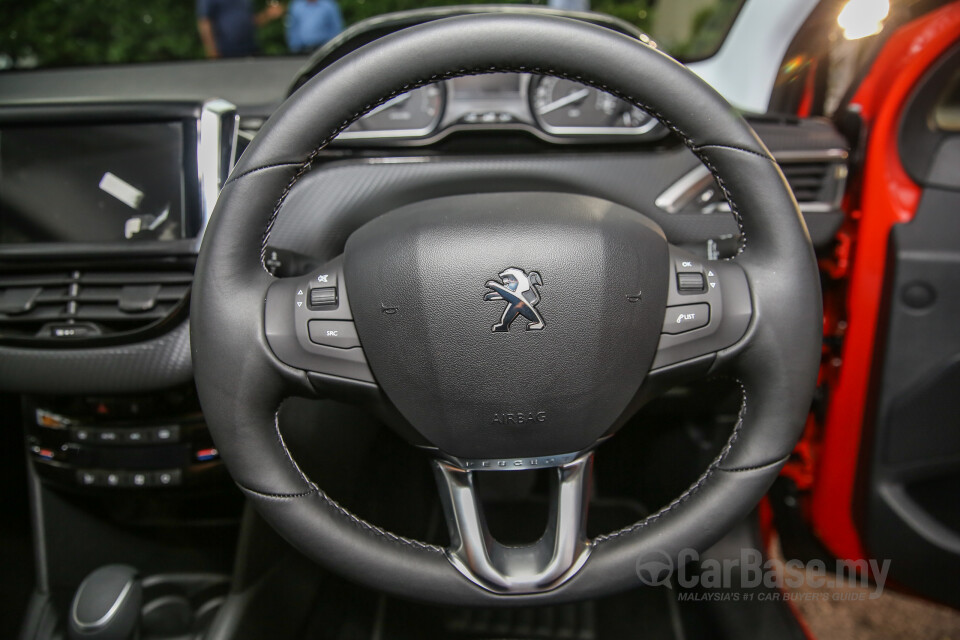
(57, 33)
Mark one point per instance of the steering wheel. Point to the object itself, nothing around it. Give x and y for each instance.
(445, 307)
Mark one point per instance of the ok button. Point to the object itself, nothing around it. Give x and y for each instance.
(686, 318)
(330, 333)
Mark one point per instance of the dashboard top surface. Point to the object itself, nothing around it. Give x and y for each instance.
(255, 85)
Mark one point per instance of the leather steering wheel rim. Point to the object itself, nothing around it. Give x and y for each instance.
(241, 382)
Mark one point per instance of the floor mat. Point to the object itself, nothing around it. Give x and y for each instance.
(861, 613)
(848, 613)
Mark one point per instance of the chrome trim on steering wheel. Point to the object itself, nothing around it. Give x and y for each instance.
(544, 565)
(513, 464)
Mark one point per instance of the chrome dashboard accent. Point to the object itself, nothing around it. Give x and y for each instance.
(217, 130)
(695, 182)
(599, 132)
(544, 565)
(803, 155)
(683, 191)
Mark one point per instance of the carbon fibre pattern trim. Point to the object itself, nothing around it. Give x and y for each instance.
(155, 364)
(350, 193)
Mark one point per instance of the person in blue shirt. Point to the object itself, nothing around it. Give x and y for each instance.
(570, 5)
(228, 27)
(311, 23)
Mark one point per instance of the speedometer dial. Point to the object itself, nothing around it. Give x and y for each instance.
(564, 107)
(410, 115)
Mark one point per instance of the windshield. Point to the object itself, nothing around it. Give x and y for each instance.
(56, 33)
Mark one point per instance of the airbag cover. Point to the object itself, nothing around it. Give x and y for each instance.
(509, 324)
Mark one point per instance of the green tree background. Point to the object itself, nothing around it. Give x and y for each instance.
(88, 32)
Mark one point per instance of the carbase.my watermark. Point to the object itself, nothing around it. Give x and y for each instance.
(750, 571)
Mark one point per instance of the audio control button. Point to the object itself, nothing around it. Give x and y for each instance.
(686, 318)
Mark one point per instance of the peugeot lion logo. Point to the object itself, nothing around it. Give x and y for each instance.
(519, 289)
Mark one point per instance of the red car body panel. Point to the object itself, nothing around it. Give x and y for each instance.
(887, 196)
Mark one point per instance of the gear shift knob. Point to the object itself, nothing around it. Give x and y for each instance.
(106, 606)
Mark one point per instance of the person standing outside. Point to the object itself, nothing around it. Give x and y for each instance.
(570, 5)
(311, 23)
(228, 27)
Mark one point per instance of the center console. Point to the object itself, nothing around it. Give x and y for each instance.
(121, 443)
(102, 211)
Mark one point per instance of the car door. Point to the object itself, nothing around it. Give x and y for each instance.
(886, 486)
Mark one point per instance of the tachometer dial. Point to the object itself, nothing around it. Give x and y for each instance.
(410, 115)
(564, 107)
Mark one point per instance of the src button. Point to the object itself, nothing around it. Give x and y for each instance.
(330, 333)
(686, 318)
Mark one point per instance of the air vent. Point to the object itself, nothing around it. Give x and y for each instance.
(808, 180)
(71, 305)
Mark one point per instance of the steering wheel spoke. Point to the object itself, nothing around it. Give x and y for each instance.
(708, 309)
(309, 325)
(547, 563)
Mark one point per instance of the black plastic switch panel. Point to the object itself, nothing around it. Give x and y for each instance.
(130, 479)
(126, 435)
(690, 282)
(323, 296)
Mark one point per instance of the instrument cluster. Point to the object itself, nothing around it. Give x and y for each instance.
(555, 109)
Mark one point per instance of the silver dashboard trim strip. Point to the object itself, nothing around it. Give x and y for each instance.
(681, 193)
(217, 130)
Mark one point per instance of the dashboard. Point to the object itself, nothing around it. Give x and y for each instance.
(108, 177)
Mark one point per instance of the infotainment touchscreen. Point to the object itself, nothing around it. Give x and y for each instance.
(92, 183)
